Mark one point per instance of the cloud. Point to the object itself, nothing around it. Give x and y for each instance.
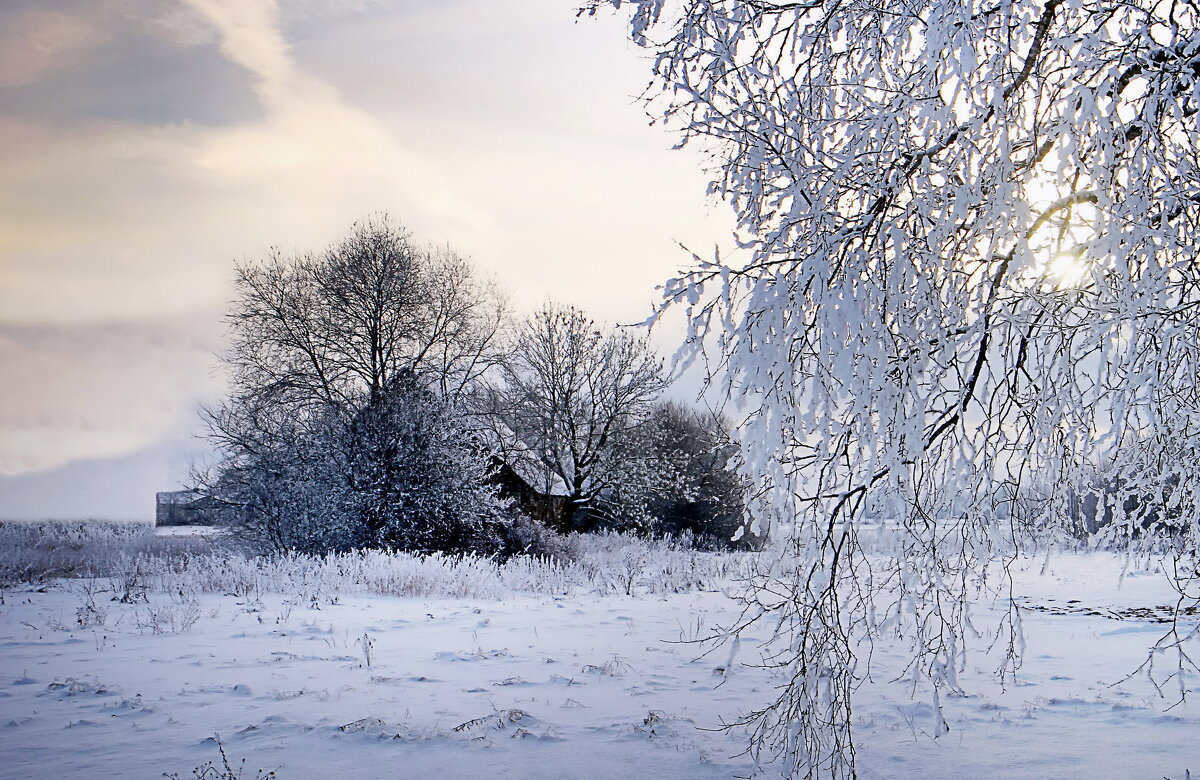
(36, 40)
(310, 136)
(106, 218)
(81, 66)
(102, 389)
(111, 488)
(533, 118)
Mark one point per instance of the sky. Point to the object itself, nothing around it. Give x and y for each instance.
(147, 145)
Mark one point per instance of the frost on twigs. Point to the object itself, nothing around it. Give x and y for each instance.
(500, 719)
(225, 770)
(965, 303)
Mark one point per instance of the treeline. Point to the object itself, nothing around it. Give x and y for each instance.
(382, 396)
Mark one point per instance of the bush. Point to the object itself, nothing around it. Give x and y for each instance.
(675, 481)
(523, 536)
(401, 474)
(33, 553)
(139, 564)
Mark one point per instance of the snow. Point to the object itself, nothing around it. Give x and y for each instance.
(205, 531)
(577, 685)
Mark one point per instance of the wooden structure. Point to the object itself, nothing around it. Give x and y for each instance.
(186, 507)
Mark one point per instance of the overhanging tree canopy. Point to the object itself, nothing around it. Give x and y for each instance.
(970, 275)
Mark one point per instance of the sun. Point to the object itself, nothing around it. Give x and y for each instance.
(1067, 269)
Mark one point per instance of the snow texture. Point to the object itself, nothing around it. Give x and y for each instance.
(538, 685)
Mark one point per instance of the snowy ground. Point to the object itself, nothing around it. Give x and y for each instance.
(579, 686)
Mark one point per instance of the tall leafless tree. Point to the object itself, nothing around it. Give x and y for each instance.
(330, 355)
(567, 393)
(336, 328)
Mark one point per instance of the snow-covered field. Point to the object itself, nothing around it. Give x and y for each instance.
(587, 683)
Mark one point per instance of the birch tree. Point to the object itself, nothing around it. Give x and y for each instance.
(967, 268)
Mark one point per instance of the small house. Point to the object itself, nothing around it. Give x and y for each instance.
(187, 507)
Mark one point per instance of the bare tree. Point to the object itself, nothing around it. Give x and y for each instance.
(568, 393)
(343, 427)
(971, 233)
(338, 327)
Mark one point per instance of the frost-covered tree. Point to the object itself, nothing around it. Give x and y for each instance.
(402, 474)
(969, 234)
(567, 393)
(674, 475)
(342, 428)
